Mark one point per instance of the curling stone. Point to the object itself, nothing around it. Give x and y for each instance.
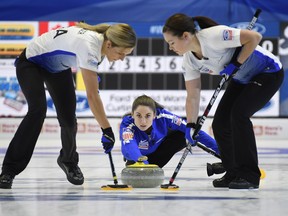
(140, 175)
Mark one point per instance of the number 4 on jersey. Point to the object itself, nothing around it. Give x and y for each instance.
(60, 32)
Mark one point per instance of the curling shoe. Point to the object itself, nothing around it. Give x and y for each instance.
(6, 181)
(240, 183)
(73, 173)
(223, 182)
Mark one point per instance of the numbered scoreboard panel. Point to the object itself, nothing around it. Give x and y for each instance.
(153, 66)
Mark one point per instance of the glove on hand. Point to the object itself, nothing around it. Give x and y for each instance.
(231, 69)
(190, 128)
(107, 139)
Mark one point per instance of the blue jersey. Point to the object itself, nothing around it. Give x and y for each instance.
(136, 143)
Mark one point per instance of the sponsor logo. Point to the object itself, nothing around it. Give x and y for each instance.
(143, 144)
(92, 55)
(81, 104)
(203, 69)
(82, 31)
(243, 25)
(227, 35)
(15, 31)
(156, 29)
(176, 120)
(11, 50)
(92, 62)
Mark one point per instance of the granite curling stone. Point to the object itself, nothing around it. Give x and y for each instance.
(140, 175)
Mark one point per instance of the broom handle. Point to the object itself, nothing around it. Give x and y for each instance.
(112, 168)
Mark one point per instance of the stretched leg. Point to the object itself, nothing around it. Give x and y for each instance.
(173, 143)
(222, 125)
(62, 91)
(22, 145)
(253, 98)
(236, 136)
(223, 133)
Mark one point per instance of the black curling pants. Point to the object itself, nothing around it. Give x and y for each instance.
(61, 88)
(233, 129)
(174, 142)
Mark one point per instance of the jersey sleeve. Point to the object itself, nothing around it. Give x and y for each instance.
(223, 37)
(88, 46)
(173, 121)
(86, 57)
(129, 144)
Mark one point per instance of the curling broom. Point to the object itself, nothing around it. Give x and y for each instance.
(114, 186)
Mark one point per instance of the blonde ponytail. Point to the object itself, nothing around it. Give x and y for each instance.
(120, 34)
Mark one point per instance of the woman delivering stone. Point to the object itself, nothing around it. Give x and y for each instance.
(150, 130)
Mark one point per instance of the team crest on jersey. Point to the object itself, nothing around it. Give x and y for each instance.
(227, 35)
(176, 120)
(143, 144)
(127, 135)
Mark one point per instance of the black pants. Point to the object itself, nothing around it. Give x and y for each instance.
(233, 129)
(61, 88)
(173, 143)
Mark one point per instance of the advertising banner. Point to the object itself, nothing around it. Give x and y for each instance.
(117, 103)
(89, 129)
(14, 37)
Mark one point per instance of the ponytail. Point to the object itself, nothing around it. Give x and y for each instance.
(120, 34)
(100, 28)
(204, 22)
(178, 23)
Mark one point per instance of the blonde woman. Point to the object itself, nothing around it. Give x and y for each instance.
(48, 60)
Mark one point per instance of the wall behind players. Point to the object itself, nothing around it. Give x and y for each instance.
(152, 67)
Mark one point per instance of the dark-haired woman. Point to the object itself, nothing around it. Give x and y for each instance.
(257, 74)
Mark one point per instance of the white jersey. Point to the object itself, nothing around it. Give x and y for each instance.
(63, 48)
(218, 45)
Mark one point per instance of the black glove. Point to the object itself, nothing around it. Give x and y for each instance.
(107, 139)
